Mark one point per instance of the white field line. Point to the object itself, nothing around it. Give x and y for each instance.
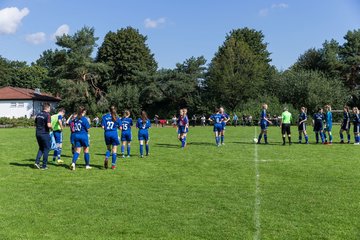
(257, 234)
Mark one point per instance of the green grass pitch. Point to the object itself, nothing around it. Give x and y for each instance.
(237, 191)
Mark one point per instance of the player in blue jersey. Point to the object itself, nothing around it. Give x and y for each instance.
(264, 123)
(110, 122)
(223, 123)
(217, 118)
(345, 125)
(126, 135)
(318, 123)
(70, 122)
(356, 121)
(43, 126)
(81, 138)
(302, 125)
(143, 124)
(187, 122)
(182, 127)
(328, 126)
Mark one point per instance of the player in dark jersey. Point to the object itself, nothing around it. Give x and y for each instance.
(345, 125)
(318, 123)
(43, 126)
(264, 123)
(356, 121)
(182, 123)
(302, 126)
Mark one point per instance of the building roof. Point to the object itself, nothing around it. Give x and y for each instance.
(14, 93)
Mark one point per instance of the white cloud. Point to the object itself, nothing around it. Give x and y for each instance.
(280, 5)
(36, 38)
(63, 29)
(10, 19)
(264, 12)
(150, 23)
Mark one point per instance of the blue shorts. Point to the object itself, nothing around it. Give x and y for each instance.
(72, 138)
(143, 136)
(302, 127)
(223, 124)
(328, 128)
(81, 140)
(218, 128)
(58, 136)
(126, 136)
(318, 128)
(264, 125)
(112, 138)
(182, 129)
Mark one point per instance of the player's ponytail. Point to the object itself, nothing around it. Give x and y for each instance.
(80, 112)
(113, 113)
(144, 117)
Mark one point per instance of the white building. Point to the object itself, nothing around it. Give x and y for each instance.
(22, 102)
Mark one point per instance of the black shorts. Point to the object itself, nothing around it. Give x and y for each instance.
(345, 126)
(285, 128)
(302, 127)
(356, 128)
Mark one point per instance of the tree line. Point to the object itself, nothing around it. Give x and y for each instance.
(239, 77)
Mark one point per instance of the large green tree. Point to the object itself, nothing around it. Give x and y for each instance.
(239, 69)
(127, 53)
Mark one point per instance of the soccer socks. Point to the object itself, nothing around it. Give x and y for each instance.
(87, 159)
(330, 137)
(306, 138)
(107, 154)
(147, 149)
(75, 157)
(141, 149)
(341, 137)
(356, 139)
(259, 138)
(300, 138)
(183, 142)
(113, 162)
(222, 138)
(322, 137)
(59, 152)
(283, 140)
(217, 140)
(317, 137)
(55, 153)
(289, 139)
(265, 138)
(128, 150)
(122, 149)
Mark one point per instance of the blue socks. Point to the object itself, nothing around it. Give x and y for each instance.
(341, 137)
(75, 157)
(265, 138)
(222, 138)
(147, 149)
(113, 162)
(141, 149)
(107, 154)
(128, 150)
(330, 137)
(122, 149)
(87, 159)
(259, 138)
(306, 138)
(217, 140)
(322, 137)
(183, 142)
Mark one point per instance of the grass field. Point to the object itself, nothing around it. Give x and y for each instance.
(237, 191)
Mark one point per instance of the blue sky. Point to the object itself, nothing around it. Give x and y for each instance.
(177, 30)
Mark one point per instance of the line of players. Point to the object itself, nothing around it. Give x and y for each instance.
(322, 125)
(79, 137)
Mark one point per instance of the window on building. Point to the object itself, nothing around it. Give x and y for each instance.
(20, 105)
(13, 104)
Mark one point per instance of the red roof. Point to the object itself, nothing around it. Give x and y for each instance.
(14, 93)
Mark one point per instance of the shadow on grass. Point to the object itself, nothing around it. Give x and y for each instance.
(167, 145)
(201, 143)
(30, 164)
(251, 143)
